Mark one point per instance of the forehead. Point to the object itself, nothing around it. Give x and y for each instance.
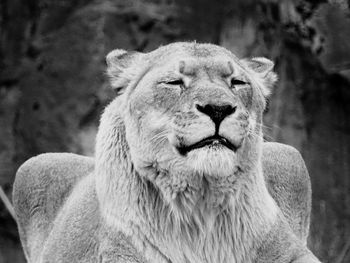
(191, 57)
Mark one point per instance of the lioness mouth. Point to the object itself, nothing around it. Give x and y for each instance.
(215, 140)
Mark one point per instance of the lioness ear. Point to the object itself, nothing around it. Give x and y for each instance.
(120, 68)
(264, 68)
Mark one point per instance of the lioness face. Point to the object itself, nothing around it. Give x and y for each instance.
(192, 117)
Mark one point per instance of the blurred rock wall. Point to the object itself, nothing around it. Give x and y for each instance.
(53, 86)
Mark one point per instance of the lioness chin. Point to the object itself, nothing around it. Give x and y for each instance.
(181, 173)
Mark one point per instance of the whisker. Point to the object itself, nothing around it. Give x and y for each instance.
(268, 138)
(253, 134)
(270, 127)
(159, 138)
(265, 136)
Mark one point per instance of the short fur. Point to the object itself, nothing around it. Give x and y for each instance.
(142, 200)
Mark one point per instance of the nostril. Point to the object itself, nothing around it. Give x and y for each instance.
(200, 108)
(230, 110)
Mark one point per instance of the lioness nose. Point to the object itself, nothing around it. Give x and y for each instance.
(216, 112)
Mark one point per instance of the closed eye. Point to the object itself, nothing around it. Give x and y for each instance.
(175, 82)
(237, 82)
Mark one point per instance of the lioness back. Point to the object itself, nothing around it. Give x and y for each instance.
(44, 183)
(289, 184)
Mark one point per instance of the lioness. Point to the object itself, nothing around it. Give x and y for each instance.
(181, 173)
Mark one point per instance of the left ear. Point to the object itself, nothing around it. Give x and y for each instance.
(264, 69)
(122, 68)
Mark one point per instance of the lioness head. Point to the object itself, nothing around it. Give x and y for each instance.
(192, 115)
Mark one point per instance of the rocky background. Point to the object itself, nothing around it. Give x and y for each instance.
(53, 84)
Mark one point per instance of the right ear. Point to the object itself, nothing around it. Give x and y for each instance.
(121, 68)
(264, 68)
